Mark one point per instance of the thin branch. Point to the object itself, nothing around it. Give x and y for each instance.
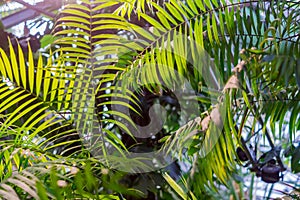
(261, 122)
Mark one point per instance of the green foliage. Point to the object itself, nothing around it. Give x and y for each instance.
(243, 71)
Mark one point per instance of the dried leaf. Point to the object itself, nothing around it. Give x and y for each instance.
(74, 170)
(216, 117)
(205, 123)
(62, 183)
(239, 67)
(104, 171)
(233, 82)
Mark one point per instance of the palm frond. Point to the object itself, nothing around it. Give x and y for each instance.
(29, 112)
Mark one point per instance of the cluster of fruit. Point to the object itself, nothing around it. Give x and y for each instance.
(268, 171)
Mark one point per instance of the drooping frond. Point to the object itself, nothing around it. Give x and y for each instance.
(30, 96)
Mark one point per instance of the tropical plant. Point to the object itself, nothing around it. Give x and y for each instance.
(227, 73)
